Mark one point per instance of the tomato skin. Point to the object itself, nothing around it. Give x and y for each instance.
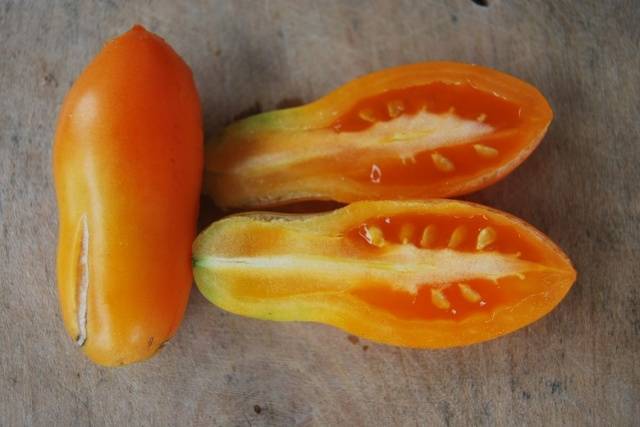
(127, 163)
(291, 155)
(289, 267)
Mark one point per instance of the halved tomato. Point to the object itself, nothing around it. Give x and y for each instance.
(436, 129)
(435, 273)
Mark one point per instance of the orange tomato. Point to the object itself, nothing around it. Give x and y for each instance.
(435, 129)
(127, 160)
(437, 273)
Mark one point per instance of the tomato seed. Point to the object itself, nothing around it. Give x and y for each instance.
(457, 236)
(395, 108)
(486, 236)
(442, 163)
(428, 236)
(485, 151)
(439, 300)
(367, 115)
(468, 293)
(374, 236)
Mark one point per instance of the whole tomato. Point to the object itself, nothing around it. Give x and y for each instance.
(127, 160)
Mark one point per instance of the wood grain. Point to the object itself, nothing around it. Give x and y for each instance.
(578, 366)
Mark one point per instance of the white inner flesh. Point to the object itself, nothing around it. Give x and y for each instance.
(405, 136)
(403, 267)
(83, 287)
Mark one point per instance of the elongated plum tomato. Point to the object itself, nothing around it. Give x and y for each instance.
(436, 273)
(128, 158)
(436, 129)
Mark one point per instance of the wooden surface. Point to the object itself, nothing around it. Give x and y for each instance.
(578, 366)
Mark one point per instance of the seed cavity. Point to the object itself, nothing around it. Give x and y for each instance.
(486, 236)
(367, 115)
(395, 108)
(439, 300)
(442, 163)
(468, 293)
(485, 151)
(373, 235)
(406, 233)
(481, 118)
(428, 236)
(457, 237)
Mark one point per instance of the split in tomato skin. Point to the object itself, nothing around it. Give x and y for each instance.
(396, 272)
(426, 130)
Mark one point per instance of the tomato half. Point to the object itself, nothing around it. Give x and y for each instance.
(435, 273)
(436, 129)
(128, 158)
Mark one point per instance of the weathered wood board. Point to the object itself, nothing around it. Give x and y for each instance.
(578, 366)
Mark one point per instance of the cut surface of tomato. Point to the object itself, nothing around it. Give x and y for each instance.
(435, 273)
(426, 130)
